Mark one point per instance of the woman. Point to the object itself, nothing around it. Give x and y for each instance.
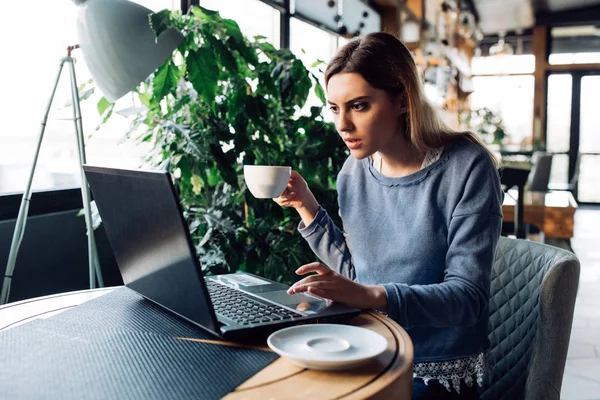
(421, 209)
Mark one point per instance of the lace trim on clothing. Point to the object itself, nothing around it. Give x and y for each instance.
(432, 156)
(450, 373)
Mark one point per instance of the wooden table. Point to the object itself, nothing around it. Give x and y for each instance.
(389, 376)
(552, 212)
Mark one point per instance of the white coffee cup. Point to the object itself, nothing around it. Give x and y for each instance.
(266, 181)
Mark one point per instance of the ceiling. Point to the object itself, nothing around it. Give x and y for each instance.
(513, 15)
(504, 15)
(562, 5)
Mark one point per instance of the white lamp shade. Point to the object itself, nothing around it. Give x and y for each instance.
(118, 44)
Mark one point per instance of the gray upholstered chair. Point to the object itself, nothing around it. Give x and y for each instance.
(539, 177)
(531, 311)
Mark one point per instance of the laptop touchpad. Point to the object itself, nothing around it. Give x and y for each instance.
(298, 301)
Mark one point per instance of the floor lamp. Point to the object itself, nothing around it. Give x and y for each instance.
(94, 264)
(120, 50)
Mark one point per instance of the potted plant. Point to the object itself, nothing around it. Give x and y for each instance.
(486, 124)
(223, 100)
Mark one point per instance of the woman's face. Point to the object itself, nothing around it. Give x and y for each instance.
(365, 117)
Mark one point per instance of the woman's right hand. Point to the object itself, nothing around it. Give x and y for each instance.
(298, 195)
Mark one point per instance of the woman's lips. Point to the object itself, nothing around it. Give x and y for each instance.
(353, 144)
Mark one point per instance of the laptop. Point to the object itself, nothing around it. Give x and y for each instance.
(143, 220)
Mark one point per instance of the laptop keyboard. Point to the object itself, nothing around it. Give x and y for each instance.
(244, 309)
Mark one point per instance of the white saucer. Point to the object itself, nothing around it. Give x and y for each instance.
(327, 346)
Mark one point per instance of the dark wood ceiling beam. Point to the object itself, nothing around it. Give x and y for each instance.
(540, 5)
(579, 16)
(385, 3)
(509, 34)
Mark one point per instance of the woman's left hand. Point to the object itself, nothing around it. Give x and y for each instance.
(333, 286)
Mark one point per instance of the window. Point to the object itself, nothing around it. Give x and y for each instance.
(311, 44)
(589, 146)
(505, 85)
(574, 45)
(254, 17)
(512, 98)
(558, 126)
(498, 65)
(342, 41)
(33, 69)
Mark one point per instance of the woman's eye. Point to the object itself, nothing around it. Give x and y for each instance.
(333, 109)
(359, 106)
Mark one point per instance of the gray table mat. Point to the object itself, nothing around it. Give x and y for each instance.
(119, 346)
(125, 309)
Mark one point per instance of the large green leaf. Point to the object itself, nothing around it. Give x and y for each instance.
(302, 83)
(320, 92)
(224, 56)
(266, 47)
(256, 108)
(266, 84)
(105, 116)
(317, 63)
(237, 42)
(233, 30)
(237, 98)
(204, 13)
(286, 89)
(84, 85)
(103, 105)
(160, 22)
(165, 80)
(203, 73)
(185, 169)
(225, 167)
(145, 98)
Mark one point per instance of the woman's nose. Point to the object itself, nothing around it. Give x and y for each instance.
(344, 122)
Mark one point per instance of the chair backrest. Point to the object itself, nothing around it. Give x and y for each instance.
(571, 185)
(532, 299)
(539, 177)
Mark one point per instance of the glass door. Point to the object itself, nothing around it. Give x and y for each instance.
(573, 132)
(589, 140)
(558, 126)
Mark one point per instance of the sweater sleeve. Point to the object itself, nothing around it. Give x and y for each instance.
(461, 299)
(329, 243)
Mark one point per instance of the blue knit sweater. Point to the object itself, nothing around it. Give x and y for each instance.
(428, 238)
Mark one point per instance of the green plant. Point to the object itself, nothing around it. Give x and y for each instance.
(222, 101)
(486, 124)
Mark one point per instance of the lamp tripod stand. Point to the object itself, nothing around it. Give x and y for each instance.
(93, 262)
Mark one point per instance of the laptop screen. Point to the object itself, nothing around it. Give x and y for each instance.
(150, 240)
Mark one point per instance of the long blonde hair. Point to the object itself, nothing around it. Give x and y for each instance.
(386, 64)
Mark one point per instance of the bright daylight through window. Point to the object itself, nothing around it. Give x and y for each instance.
(254, 17)
(311, 44)
(33, 68)
(504, 84)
